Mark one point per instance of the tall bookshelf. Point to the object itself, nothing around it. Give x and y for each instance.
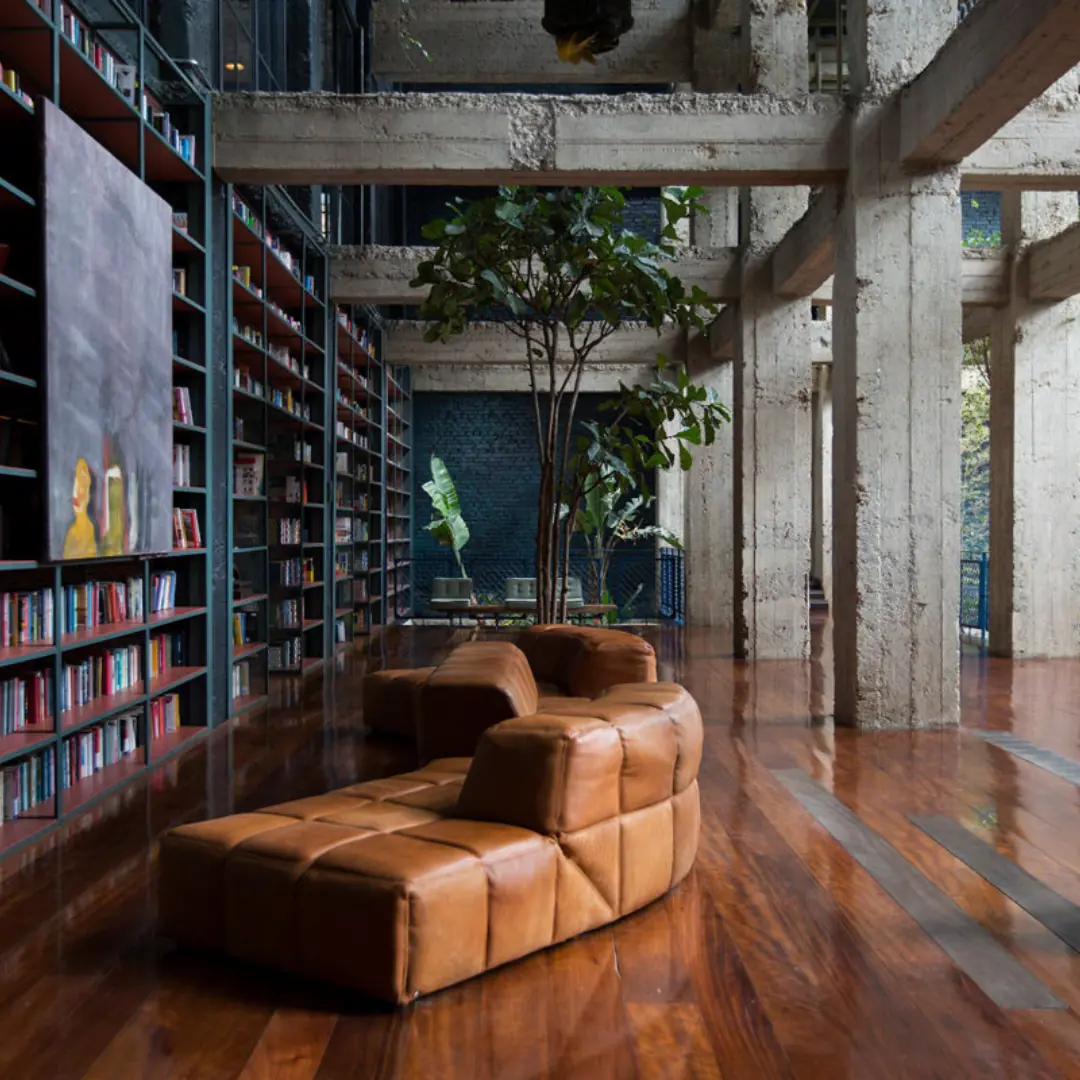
(282, 553)
(357, 472)
(399, 497)
(140, 624)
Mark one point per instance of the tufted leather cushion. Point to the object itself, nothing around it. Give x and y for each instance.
(477, 685)
(584, 661)
(402, 886)
(390, 699)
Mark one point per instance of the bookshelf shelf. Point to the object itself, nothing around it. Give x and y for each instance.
(105, 632)
(184, 241)
(241, 651)
(173, 677)
(12, 197)
(101, 708)
(174, 615)
(12, 289)
(182, 303)
(22, 830)
(25, 741)
(247, 702)
(11, 105)
(190, 365)
(93, 787)
(19, 654)
(168, 744)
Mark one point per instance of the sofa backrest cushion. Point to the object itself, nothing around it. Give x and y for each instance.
(557, 772)
(585, 661)
(478, 684)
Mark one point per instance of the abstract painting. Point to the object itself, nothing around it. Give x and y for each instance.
(108, 370)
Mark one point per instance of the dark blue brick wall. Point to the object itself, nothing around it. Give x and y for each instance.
(488, 442)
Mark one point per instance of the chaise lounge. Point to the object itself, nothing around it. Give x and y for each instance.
(564, 821)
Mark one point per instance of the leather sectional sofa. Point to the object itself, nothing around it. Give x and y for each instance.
(566, 819)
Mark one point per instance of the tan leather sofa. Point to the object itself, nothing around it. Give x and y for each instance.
(564, 821)
(482, 683)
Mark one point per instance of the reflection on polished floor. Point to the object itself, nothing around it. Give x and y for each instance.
(782, 955)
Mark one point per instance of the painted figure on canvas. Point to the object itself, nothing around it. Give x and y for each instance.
(81, 539)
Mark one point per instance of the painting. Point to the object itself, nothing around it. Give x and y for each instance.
(108, 369)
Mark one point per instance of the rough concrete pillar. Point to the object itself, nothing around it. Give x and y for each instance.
(709, 502)
(1035, 451)
(896, 396)
(821, 473)
(772, 374)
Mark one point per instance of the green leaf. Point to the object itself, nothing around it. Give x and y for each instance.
(685, 459)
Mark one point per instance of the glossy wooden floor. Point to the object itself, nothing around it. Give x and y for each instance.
(778, 957)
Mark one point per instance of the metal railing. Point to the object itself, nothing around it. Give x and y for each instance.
(975, 594)
(643, 585)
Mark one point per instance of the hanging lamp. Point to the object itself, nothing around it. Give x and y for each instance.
(584, 29)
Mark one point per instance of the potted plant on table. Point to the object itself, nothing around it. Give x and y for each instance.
(565, 275)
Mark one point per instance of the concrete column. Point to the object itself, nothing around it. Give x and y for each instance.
(709, 500)
(1035, 451)
(821, 472)
(772, 373)
(896, 396)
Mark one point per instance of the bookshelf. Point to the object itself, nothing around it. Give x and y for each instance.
(358, 453)
(282, 551)
(103, 664)
(399, 498)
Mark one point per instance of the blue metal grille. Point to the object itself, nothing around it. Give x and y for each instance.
(642, 584)
(975, 594)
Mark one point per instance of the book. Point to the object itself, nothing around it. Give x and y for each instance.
(190, 525)
(182, 405)
(248, 474)
(181, 465)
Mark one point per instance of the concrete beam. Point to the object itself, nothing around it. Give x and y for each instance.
(492, 343)
(1038, 151)
(381, 275)
(639, 140)
(1054, 266)
(491, 41)
(803, 260)
(999, 60)
(643, 140)
(514, 378)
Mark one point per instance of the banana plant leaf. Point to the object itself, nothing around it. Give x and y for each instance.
(447, 525)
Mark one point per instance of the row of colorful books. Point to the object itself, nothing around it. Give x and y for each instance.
(27, 783)
(26, 618)
(96, 603)
(241, 679)
(97, 747)
(96, 676)
(25, 701)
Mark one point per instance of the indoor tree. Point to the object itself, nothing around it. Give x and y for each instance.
(561, 272)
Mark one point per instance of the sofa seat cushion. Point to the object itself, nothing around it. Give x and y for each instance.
(194, 857)
(390, 699)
